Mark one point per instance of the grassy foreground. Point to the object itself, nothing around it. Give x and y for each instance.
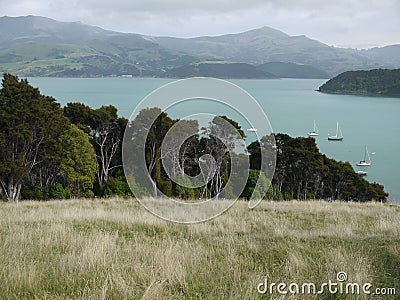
(115, 249)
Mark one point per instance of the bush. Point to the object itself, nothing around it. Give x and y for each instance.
(181, 191)
(117, 186)
(57, 191)
(54, 191)
(264, 187)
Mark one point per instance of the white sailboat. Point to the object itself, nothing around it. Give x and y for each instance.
(252, 129)
(338, 136)
(362, 173)
(314, 132)
(367, 159)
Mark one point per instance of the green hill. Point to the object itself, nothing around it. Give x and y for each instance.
(291, 70)
(372, 82)
(220, 70)
(241, 47)
(266, 44)
(19, 30)
(38, 46)
(121, 55)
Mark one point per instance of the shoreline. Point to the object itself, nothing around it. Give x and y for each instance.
(355, 93)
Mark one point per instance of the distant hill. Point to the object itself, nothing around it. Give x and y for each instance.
(220, 70)
(243, 47)
(389, 55)
(270, 45)
(292, 70)
(38, 46)
(371, 82)
(17, 30)
(108, 57)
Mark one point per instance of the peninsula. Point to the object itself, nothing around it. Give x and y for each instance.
(380, 82)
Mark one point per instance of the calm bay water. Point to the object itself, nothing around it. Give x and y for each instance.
(291, 106)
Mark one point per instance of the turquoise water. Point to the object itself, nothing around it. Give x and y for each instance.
(291, 106)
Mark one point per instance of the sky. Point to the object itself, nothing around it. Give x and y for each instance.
(342, 23)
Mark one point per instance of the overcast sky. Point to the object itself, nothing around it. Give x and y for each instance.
(344, 23)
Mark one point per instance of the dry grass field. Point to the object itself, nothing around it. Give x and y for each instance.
(115, 249)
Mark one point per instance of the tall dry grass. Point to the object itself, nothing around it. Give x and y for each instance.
(115, 249)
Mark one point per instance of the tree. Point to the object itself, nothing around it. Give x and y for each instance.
(28, 122)
(263, 189)
(106, 131)
(78, 161)
(79, 114)
(117, 185)
(302, 172)
(149, 129)
(106, 135)
(177, 146)
(219, 140)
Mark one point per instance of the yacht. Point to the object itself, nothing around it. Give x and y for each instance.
(314, 132)
(338, 136)
(252, 129)
(367, 159)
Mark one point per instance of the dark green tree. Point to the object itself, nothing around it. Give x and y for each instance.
(29, 125)
(302, 172)
(219, 139)
(264, 188)
(106, 135)
(144, 131)
(79, 114)
(78, 161)
(105, 130)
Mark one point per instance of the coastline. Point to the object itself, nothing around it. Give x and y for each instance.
(357, 93)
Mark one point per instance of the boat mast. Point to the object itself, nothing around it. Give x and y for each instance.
(366, 154)
(338, 130)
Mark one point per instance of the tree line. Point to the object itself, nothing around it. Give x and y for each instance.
(53, 152)
(302, 172)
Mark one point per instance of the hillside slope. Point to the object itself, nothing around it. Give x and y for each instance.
(76, 49)
(17, 30)
(115, 249)
(219, 70)
(38, 46)
(269, 45)
(291, 70)
(116, 55)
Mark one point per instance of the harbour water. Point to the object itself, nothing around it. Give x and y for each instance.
(291, 106)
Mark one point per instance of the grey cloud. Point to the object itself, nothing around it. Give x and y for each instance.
(165, 7)
(340, 22)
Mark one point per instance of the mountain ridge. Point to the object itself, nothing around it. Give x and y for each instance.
(84, 50)
(16, 30)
